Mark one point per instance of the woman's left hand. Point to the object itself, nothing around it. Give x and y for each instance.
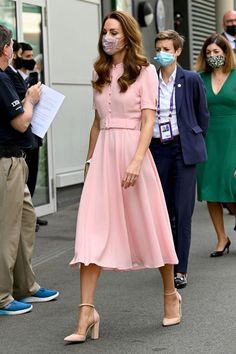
(235, 174)
(131, 174)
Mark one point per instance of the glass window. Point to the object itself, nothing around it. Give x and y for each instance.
(32, 27)
(32, 34)
(8, 15)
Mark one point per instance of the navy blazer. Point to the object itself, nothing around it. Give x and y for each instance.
(192, 115)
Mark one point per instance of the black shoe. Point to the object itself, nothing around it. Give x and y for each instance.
(180, 281)
(36, 227)
(225, 206)
(41, 222)
(220, 253)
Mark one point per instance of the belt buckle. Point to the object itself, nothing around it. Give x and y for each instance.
(169, 141)
(166, 142)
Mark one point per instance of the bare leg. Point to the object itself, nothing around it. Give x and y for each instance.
(88, 282)
(216, 212)
(171, 302)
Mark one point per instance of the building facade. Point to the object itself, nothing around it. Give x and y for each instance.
(64, 34)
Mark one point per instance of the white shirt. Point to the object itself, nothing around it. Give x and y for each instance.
(231, 39)
(23, 74)
(165, 97)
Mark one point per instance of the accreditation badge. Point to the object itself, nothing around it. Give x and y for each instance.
(165, 132)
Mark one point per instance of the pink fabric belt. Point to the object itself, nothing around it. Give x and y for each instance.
(120, 123)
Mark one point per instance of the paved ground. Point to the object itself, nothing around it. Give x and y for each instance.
(130, 303)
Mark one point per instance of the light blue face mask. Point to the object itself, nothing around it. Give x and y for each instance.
(164, 58)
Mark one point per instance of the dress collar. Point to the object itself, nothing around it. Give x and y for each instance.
(119, 65)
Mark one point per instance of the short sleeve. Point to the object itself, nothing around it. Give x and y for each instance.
(94, 78)
(10, 100)
(149, 83)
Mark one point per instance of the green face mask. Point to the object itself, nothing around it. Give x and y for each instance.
(216, 61)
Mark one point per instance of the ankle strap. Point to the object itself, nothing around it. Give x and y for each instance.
(85, 304)
(174, 292)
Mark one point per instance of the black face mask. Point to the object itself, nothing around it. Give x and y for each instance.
(28, 64)
(231, 30)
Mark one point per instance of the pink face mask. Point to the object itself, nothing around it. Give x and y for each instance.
(110, 44)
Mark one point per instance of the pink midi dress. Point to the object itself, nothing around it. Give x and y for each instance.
(117, 228)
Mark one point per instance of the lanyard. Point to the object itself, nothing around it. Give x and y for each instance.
(171, 102)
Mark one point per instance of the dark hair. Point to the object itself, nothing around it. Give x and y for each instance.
(5, 37)
(178, 40)
(16, 45)
(221, 41)
(134, 58)
(25, 46)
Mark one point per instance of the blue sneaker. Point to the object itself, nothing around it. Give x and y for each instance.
(42, 295)
(15, 308)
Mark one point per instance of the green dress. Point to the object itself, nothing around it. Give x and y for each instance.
(215, 179)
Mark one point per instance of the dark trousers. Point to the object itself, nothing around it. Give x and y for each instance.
(179, 184)
(32, 160)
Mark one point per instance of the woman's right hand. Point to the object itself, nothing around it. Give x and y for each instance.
(235, 173)
(131, 174)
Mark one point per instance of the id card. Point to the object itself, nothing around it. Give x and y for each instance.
(165, 132)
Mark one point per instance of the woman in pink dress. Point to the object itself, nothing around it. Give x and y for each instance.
(122, 222)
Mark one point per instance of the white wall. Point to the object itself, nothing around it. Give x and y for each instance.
(73, 28)
(221, 8)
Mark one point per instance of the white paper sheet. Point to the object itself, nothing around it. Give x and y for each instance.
(46, 110)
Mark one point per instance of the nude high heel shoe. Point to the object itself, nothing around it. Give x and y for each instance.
(93, 327)
(176, 320)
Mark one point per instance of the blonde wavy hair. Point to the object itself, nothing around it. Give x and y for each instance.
(134, 58)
